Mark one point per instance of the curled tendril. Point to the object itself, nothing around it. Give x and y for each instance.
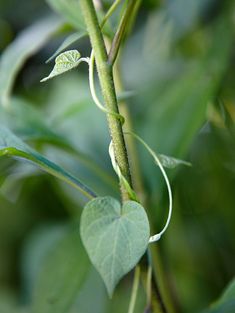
(116, 168)
(71, 59)
(93, 92)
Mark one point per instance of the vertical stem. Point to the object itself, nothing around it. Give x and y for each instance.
(108, 90)
(117, 40)
(132, 151)
(134, 290)
(107, 86)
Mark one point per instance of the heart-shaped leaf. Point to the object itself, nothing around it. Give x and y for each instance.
(65, 62)
(114, 236)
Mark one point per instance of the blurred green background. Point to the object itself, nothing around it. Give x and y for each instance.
(179, 61)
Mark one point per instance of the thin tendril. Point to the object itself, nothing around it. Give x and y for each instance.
(132, 194)
(156, 237)
(93, 92)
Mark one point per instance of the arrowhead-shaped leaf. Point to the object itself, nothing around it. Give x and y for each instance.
(65, 62)
(114, 236)
(171, 162)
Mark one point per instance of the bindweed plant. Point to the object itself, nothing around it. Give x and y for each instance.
(118, 233)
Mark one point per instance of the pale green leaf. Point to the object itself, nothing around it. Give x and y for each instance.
(70, 10)
(10, 145)
(65, 62)
(171, 162)
(115, 237)
(226, 303)
(229, 292)
(71, 39)
(61, 277)
(25, 45)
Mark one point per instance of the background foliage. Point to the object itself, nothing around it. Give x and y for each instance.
(179, 61)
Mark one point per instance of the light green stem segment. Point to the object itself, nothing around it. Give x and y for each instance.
(149, 285)
(108, 90)
(134, 290)
(110, 12)
(122, 27)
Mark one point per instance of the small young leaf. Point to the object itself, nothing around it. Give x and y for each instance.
(65, 62)
(165, 160)
(10, 145)
(67, 42)
(115, 237)
(171, 162)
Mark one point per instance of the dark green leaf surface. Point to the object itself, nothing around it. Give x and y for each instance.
(70, 10)
(66, 43)
(10, 145)
(226, 303)
(25, 45)
(62, 275)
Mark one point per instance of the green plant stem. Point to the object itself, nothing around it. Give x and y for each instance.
(132, 151)
(108, 90)
(107, 86)
(110, 12)
(134, 290)
(117, 40)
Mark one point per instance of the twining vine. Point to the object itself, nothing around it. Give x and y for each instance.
(104, 218)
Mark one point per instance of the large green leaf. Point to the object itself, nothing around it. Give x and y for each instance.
(115, 237)
(37, 127)
(9, 303)
(226, 303)
(179, 109)
(10, 145)
(25, 45)
(177, 104)
(70, 10)
(61, 277)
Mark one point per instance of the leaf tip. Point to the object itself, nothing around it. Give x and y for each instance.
(43, 80)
